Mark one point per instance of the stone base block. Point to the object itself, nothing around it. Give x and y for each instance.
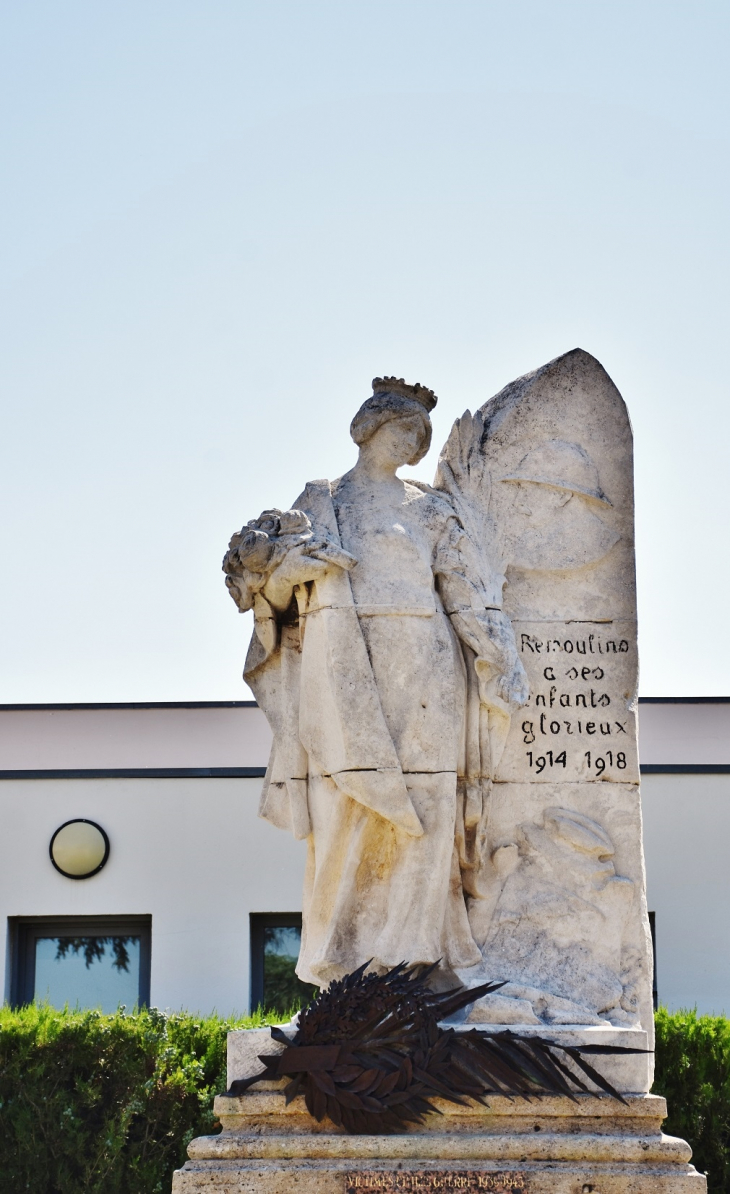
(631, 1074)
(547, 1146)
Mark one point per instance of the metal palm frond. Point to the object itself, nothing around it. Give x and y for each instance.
(370, 1054)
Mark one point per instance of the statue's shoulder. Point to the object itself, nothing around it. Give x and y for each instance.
(313, 491)
(434, 500)
(316, 501)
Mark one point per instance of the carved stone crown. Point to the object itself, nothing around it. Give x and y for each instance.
(397, 385)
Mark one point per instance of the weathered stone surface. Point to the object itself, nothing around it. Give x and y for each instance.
(565, 914)
(555, 1144)
(334, 1177)
(244, 1047)
(560, 911)
(631, 1073)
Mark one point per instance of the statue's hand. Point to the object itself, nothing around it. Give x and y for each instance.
(513, 686)
(324, 549)
(296, 568)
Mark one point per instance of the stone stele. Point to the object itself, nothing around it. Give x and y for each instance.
(450, 673)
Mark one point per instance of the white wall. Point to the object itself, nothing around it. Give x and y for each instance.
(41, 739)
(687, 844)
(684, 732)
(193, 854)
(190, 852)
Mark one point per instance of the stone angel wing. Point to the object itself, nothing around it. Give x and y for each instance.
(541, 478)
(536, 478)
(464, 473)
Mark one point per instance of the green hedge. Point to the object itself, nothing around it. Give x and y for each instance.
(107, 1104)
(98, 1103)
(693, 1072)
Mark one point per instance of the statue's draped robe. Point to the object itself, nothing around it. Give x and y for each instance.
(379, 738)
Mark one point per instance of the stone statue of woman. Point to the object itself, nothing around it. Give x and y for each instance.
(388, 672)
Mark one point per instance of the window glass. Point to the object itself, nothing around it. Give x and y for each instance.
(283, 991)
(91, 972)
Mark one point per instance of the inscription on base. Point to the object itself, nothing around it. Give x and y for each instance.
(374, 1181)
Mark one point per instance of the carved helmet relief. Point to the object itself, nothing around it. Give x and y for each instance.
(554, 521)
(561, 465)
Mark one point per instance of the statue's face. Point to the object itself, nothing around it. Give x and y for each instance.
(399, 441)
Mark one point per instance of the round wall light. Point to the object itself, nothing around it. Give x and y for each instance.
(79, 848)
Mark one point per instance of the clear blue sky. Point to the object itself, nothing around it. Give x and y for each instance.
(221, 219)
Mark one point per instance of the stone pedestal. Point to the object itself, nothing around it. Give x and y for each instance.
(553, 1144)
(588, 1146)
(533, 496)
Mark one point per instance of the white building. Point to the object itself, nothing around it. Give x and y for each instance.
(195, 884)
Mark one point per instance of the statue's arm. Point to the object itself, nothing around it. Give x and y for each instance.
(277, 553)
(296, 568)
(489, 634)
(478, 621)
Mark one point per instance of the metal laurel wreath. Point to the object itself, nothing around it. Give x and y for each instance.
(370, 1054)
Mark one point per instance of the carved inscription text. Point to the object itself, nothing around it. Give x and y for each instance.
(374, 1181)
(579, 722)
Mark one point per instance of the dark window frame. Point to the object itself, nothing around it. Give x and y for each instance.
(654, 988)
(258, 921)
(25, 931)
